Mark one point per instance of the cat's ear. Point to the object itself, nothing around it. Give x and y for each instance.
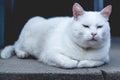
(106, 11)
(77, 11)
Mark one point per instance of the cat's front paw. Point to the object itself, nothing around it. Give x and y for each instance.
(82, 64)
(89, 63)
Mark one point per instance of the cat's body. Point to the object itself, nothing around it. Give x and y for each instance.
(67, 42)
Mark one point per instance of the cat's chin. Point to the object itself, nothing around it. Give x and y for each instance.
(92, 42)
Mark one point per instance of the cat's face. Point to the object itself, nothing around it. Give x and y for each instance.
(90, 28)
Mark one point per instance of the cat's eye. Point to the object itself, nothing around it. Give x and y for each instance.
(86, 26)
(99, 26)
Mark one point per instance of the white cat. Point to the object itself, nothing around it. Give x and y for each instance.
(79, 41)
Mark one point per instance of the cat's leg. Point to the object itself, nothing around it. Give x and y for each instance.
(21, 53)
(59, 60)
(19, 49)
(90, 63)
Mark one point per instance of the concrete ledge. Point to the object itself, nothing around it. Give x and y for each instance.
(49, 77)
(30, 69)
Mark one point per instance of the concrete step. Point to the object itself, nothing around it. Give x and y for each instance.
(31, 69)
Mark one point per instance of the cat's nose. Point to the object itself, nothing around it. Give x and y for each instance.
(93, 34)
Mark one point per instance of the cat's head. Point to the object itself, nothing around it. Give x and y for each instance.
(90, 28)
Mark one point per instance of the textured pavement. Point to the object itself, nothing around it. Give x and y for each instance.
(31, 69)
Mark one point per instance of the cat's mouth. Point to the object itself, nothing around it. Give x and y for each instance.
(92, 39)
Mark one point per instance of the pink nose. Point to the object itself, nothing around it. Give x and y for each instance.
(93, 34)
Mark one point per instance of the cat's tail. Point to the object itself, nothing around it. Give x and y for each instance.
(7, 52)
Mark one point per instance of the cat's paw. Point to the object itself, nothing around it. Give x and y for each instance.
(84, 63)
(89, 63)
(22, 55)
(69, 64)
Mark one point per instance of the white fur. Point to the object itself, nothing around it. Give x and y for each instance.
(64, 42)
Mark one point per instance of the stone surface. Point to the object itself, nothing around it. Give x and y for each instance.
(30, 69)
